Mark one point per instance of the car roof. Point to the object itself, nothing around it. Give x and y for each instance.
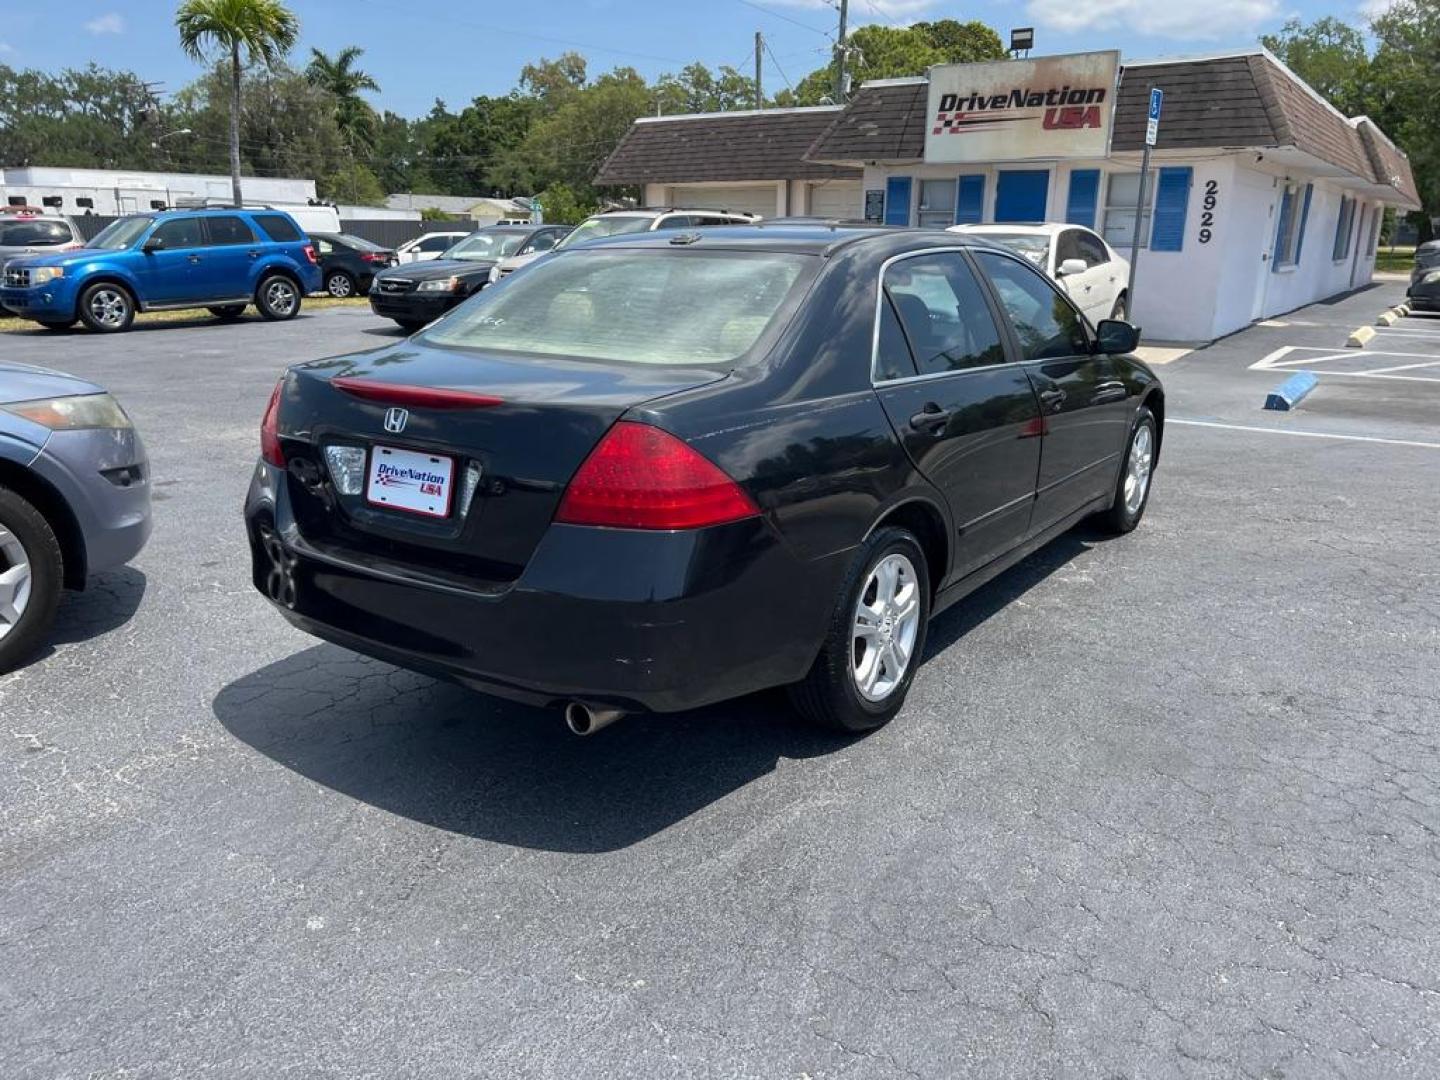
(1027, 228)
(795, 238)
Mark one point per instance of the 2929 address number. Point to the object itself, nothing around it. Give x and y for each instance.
(1207, 216)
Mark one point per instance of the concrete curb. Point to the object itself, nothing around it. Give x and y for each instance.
(1292, 391)
(1387, 318)
(1361, 337)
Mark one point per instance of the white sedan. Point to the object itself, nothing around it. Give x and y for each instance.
(427, 247)
(1086, 266)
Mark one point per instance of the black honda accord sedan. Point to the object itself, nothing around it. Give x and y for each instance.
(666, 470)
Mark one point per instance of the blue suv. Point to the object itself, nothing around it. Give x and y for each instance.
(216, 259)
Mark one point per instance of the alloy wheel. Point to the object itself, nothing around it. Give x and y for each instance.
(109, 307)
(1137, 468)
(339, 286)
(886, 625)
(15, 579)
(280, 297)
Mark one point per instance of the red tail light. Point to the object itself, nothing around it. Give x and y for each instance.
(375, 256)
(270, 429)
(640, 477)
(419, 397)
(310, 253)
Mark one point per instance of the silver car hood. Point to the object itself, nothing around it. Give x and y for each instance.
(21, 382)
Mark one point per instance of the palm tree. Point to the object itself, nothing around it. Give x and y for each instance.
(264, 29)
(339, 77)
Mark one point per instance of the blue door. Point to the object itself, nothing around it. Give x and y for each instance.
(1020, 194)
(169, 272)
(230, 255)
(897, 200)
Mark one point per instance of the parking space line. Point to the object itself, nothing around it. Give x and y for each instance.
(1404, 367)
(1304, 434)
(1283, 360)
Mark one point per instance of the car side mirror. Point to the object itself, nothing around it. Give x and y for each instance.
(1117, 336)
(155, 243)
(1071, 266)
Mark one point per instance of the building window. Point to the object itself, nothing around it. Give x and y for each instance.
(85, 204)
(15, 200)
(1121, 192)
(1374, 231)
(937, 204)
(1343, 228)
(1290, 235)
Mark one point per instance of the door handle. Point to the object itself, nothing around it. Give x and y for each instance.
(194, 258)
(1109, 391)
(253, 254)
(1052, 399)
(931, 418)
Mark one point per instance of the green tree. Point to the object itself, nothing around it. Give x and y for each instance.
(338, 76)
(263, 30)
(351, 183)
(1328, 54)
(91, 117)
(1402, 97)
(696, 89)
(563, 205)
(890, 52)
(553, 82)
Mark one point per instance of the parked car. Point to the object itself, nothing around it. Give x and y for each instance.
(416, 295)
(1424, 291)
(74, 497)
(216, 259)
(36, 234)
(427, 247)
(665, 470)
(542, 246)
(348, 264)
(1086, 267)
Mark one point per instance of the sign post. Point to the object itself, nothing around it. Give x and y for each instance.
(1152, 132)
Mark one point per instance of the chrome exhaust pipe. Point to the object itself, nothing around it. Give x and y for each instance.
(583, 719)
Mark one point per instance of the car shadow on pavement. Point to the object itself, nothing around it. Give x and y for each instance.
(108, 602)
(490, 769)
(486, 768)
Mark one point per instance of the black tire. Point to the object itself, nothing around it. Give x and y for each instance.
(106, 307)
(1122, 517)
(829, 694)
(61, 324)
(410, 326)
(1118, 311)
(19, 521)
(344, 282)
(228, 312)
(278, 297)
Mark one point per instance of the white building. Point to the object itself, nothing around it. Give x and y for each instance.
(480, 210)
(1262, 197)
(111, 192)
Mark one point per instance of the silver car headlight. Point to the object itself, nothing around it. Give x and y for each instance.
(41, 275)
(68, 413)
(449, 284)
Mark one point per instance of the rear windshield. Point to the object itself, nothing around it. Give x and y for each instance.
(359, 243)
(34, 233)
(122, 234)
(596, 227)
(700, 308)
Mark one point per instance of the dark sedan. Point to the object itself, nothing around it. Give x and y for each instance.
(418, 293)
(348, 264)
(665, 470)
(1424, 291)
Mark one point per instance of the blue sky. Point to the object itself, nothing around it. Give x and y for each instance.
(421, 50)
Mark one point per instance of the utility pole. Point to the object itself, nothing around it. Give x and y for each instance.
(759, 94)
(840, 49)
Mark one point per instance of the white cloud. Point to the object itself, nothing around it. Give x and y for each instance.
(113, 23)
(1186, 19)
(1373, 9)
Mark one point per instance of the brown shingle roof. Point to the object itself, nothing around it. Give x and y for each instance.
(1230, 101)
(766, 145)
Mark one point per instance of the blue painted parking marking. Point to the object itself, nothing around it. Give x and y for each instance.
(1292, 391)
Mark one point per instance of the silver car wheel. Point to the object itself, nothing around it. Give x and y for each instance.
(886, 624)
(280, 297)
(339, 286)
(15, 578)
(1137, 468)
(109, 307)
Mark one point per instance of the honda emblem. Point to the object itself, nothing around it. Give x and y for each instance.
(396, 419)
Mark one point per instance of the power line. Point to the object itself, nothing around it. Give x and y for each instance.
(780, 15)
(780, 69)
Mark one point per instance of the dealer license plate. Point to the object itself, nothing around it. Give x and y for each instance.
(414, 482)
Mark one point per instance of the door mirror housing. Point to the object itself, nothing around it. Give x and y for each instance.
(1116, 336)
(1071, 266)
(154, 243)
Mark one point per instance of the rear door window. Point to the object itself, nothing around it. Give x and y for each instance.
(1047, 324)
(179, 234)
(437, 243)
(322, 246)
(228, 229)
(893, 359)
(278, 227)
(943, 310)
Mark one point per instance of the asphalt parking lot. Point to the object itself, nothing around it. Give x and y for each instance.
(1164, 805)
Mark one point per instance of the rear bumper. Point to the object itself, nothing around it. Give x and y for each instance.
(639, 620)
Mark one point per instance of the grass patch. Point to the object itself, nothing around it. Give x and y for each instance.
(1399, 261)
(191, 316)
